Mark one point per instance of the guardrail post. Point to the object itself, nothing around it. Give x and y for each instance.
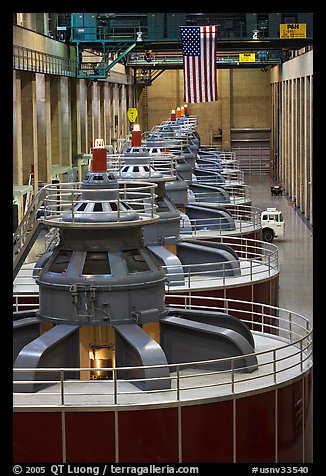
(152, 201)
(274, 365)
(301, 355)
(62, 376)
(178, 383)
(72, 207)
(269, 265)
(115, 386)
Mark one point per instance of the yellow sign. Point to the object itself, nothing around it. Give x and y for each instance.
(132, 114)
(293, 30)
(247, 57)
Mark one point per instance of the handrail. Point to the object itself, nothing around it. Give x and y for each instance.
(255, 258)
(230, 176)
(246, 218)
(291, 356)
(64, 197)
(237, 193)
(24, 231)
(164, 163)
(40, 62)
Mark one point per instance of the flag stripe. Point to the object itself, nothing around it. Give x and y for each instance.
(199, 60)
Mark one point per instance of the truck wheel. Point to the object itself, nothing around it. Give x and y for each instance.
(268, 235)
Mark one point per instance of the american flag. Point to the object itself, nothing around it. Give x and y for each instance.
(199, 63)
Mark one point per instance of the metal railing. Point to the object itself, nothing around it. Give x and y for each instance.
(289, 357)
(230, 175)
(20, 236)
(65, 197)
(238, 194)
(164, 163)
(185, 122)
(254, 260)
(246, 219)
(25, 301)
(40, 62)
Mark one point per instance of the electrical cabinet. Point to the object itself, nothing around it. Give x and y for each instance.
(84, 26)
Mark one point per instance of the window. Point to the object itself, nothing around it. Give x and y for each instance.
(96, 262)
(135, 261)
(97, 207)
(82, 207)
(61, 262)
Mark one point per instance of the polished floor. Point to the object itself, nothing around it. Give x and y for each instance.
(295, 248)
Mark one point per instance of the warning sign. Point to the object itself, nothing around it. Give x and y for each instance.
(293, 30)
(247, 57)
(132, 114)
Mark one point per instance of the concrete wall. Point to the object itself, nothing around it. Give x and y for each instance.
(34, 41)
(244, 101)
(251, 98)
(292, 129)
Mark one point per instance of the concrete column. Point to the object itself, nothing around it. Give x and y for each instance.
(81, 87)
(304, 155)
(282, 134)
(296, 140)
(99, 87)
(131, 98)
(292, 136)
(115, 108)
(43, 129)
(301, 143)
(225, 88)
(102, 112)
(17, 130)
(48, 128)
(41, 23)
(29, 128)
(17, 140)
(27, 20)
(131, 102)
(105, 111)
(123, 112)
(95, 112)
(66, 121)
(75, 117)
(110, 113)
(55, 97)
(89, 115)
(309, 145)
(287, 149)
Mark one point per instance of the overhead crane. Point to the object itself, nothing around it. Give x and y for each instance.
(151, 41)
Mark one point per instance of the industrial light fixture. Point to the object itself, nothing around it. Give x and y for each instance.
(139, 36)
(100, 364)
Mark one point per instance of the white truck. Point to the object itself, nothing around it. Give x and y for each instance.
(272, 223)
